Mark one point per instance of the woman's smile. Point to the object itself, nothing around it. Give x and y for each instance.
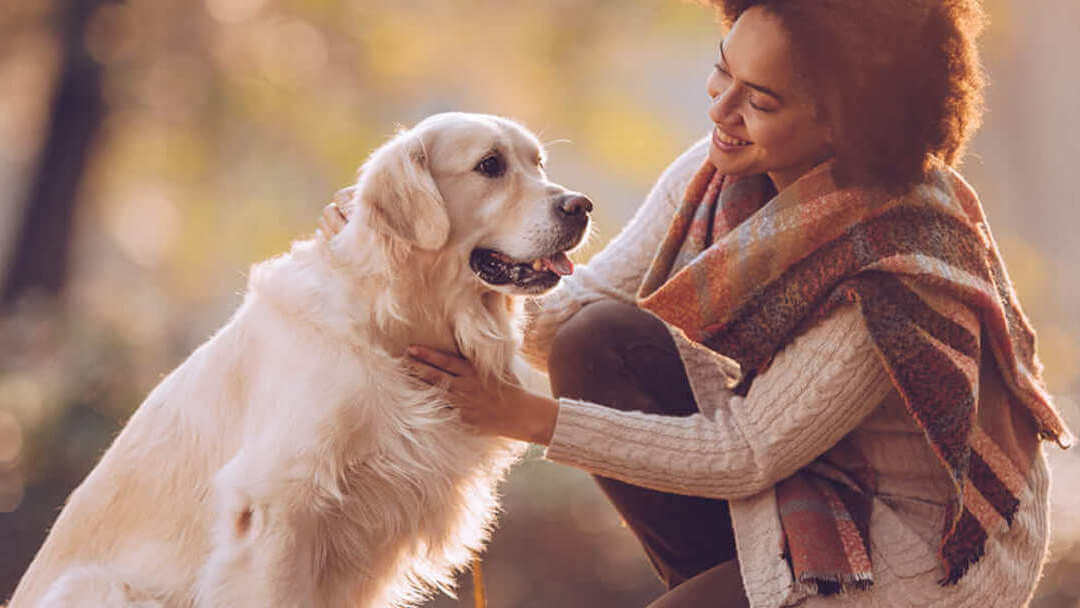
(727, 143)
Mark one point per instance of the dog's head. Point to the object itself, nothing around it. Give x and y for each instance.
(472, 187)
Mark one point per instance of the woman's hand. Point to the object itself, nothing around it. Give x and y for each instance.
(506, 410)
(336, 214)
(332, 221)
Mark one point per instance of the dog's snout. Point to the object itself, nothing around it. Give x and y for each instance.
(574, 204)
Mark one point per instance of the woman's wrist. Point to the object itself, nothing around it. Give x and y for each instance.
(540, 415)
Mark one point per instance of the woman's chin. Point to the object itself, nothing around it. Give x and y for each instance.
(730, 163)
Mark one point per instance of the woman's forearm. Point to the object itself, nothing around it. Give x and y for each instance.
(817, 390)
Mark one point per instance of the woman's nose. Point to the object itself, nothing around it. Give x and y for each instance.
(722, 109)
(713, 88)
(719, 93)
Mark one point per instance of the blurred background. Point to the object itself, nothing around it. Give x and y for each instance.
(151, 150)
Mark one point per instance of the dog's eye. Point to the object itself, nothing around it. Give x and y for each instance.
(491, 166)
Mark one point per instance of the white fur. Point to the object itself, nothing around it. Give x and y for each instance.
(290, 460)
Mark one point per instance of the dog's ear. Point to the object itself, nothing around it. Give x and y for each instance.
(397, 189)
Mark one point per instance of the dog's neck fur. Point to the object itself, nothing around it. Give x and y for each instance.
(387, 297)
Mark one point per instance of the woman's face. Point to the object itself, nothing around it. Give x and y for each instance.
(764, 113)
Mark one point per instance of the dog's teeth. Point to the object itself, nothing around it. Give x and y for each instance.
(538, 264)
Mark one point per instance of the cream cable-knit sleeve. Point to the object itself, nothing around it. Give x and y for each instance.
(818, 389)
(617, 270)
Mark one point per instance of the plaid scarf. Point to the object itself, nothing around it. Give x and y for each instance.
(743, 270)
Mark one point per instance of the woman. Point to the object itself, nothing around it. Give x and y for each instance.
(842, 405)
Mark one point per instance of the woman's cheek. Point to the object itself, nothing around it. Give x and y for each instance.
(762, 131)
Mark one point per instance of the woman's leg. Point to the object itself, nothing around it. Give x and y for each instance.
(619, 356)
(718, 586)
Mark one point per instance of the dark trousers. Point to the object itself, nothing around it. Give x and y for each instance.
(618, 356)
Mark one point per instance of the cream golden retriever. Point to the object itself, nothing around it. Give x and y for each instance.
(291, 460)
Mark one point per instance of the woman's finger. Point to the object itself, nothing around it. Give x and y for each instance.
(325, 231)
(343, 196)
(333, 220)
(427, 373)
(449, 363)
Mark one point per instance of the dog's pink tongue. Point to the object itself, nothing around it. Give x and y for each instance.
(559, 264)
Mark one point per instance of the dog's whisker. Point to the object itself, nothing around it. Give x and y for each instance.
(561, 140)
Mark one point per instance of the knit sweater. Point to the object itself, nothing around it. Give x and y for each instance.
(827, 384)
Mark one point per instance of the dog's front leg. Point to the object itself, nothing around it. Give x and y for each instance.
(264, 538)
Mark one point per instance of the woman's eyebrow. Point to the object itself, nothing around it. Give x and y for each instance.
(756, 87)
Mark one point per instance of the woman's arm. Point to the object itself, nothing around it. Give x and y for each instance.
(616, 271)
(817, 390)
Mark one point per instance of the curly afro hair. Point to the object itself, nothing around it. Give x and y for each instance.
(899, 81)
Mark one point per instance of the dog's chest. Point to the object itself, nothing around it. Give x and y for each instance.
(431, 488)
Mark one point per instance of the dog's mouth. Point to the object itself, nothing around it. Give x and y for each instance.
(535, 276)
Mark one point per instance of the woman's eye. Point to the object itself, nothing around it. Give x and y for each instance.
(491, 166)
(759, 108)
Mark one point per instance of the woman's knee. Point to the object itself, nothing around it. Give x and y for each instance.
(610, 351)
(593, 329)
(595, 335)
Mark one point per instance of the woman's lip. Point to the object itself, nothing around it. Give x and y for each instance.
(725, 146)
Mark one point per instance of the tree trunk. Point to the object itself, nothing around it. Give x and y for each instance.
(43, 242)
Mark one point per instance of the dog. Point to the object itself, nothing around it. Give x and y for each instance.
(291, 460)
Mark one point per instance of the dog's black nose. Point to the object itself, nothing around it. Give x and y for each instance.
(574, 204)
